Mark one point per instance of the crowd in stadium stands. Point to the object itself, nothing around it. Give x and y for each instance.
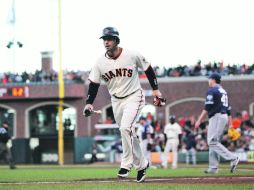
(80, 76)
(42, 77)
(241, 121)
(203, 70)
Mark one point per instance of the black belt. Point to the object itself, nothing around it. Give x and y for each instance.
(216, 113)
(124, 96)
(171, 138)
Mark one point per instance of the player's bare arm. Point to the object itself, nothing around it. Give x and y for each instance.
(157, 93)
(230, 124)
(200, 119)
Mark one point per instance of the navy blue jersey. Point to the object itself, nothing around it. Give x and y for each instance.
(216, 101)
(147, 130)
(4, 136)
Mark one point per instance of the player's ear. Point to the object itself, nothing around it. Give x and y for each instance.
(117, 40)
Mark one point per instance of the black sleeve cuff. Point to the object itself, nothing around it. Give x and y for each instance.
(92, 92)
(229, 111)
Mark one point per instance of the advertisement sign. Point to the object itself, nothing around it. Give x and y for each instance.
(14, 92)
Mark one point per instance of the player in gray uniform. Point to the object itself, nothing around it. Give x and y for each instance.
(218, 111)
(118, 68)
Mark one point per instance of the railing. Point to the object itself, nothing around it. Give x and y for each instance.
(39, 83)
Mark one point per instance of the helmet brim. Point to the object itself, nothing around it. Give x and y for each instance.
(109, 36)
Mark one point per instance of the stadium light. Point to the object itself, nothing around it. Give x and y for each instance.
(11, 43)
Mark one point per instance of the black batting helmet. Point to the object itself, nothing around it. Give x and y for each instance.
(172, 119)
(110, 32)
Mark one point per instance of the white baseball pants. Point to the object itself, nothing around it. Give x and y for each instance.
(126, 112)
(172, 144)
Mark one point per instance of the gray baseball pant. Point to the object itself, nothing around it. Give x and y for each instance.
(216, 127)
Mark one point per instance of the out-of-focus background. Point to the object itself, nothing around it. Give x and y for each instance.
(184, 40)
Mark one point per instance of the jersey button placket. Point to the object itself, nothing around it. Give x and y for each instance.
(117, 81)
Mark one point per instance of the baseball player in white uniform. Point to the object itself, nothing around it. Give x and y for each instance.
(118, 68)
(172, 131)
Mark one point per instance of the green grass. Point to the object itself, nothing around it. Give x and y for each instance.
(71, 177)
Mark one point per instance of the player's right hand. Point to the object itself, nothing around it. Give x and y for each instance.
(88, 109)
(159, 101)
(157, 93)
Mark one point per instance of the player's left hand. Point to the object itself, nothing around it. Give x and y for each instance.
(88, 109)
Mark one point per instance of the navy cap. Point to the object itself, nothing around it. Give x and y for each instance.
(216, 76)
(142, 118)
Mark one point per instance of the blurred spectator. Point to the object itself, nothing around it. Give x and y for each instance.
(146, 132)
(197, 69)
(81, 76)
(172, 133)
(108, 120)
(159, 145)
(41, 76)
(160, 72)
(201, 144)
(157, 127)
(94, 154)
(236, 122)
(181, 121)
(190, 145)
(5, 152)
(195, 140)
(116, 151)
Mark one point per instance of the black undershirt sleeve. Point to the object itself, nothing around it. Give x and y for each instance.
(92, 92)
(151, 78)
(229, 111)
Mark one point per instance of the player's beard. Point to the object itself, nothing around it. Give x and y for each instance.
(111, 52)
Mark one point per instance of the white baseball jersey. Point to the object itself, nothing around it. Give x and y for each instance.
(172, 130)
(121, 74)
(122, 79)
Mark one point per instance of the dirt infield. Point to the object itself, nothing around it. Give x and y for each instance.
(192, 180)
(176, 180)
(204, 180)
